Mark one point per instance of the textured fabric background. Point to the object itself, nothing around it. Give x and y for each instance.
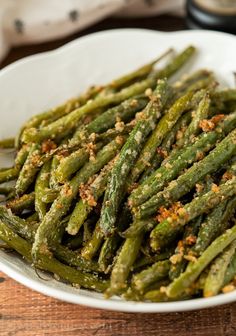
(34, 21)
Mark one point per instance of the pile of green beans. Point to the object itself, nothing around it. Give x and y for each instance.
(130, 188)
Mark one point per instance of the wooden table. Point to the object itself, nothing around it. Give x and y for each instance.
(24, 312)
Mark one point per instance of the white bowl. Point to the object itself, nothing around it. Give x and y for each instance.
(42, 81)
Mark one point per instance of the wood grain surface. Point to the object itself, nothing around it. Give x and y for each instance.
(27, 313)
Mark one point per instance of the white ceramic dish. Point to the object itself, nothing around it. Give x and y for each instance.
(42, 81)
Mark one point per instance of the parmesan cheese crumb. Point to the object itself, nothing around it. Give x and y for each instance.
(138, 137)
(168, 165)
(176, 258)
(119, 126)
(148, 92)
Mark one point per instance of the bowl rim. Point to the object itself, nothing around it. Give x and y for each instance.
(79, 298)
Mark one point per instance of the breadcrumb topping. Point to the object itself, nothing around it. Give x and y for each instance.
(227, 176)
(215, 188)
(119, 140)
(199, 187)
(119, 126)
(163, 153)
(190, 240)
(208, 125)
(229, 288)
(174, 211)
(48, 145)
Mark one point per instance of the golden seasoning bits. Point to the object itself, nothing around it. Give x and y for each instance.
(133, 103)
(48, 145)
(215, 188)
(229, 288)
(119, 126)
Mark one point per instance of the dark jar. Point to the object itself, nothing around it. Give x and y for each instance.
(212, 14)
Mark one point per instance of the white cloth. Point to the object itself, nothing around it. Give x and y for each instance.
(34, 21)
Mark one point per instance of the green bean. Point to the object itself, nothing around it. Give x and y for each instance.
(22, 155)
(217, 220)
(187, 83)
(166, 146)
(179, 285)
(5, 190)
(140, 226)
(124, 112)
(224, 95)
(24, 202)
(41, 185)
(71, 120)
(113, 132)
(53, 183)
(178, 188)
(159, 295)
(7, 143)
(92, 246)
(176, 63)
(9, 174)
(125, 183)
(24, 228)
(128, 154)
(48, 263)
(180, 160)
(148, 260)
(74, 242)
(111, 244)
(184, 249)
(72, 258)
(29, 170)
(2, 169)
(71, 164)
(123, 264)
(56, 113)
(69, 191)
(215, 277)
(138, 73)
(164, 232)
(158, 271)
(170, 138)
(161, 130)
(193, 129)
(32, 218)
(35, 160)
(88, 229)
(50, 195)
(230, 271)
(153, 165)
(85, 205)
(215, 223)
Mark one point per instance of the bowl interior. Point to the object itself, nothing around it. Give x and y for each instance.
(40, 82)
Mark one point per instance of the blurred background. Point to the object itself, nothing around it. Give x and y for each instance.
(31, 26)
